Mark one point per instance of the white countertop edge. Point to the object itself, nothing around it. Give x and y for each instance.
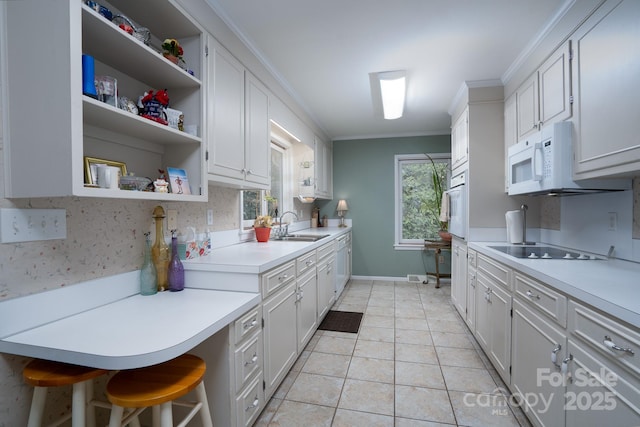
(163, 349)
(600, 300)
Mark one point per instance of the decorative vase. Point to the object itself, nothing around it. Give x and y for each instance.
(176, 269)
(262, 234)
(171, 58)
(160, 251)
(445, 235)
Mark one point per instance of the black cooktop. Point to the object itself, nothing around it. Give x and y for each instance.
(544, 252)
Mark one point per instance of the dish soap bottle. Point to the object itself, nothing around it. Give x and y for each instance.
(160, 251)
(148, 276)
(176, 269)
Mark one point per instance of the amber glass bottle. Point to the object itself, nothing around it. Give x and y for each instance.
(160, 251)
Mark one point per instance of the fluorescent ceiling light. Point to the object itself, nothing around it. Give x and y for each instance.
(392, 89)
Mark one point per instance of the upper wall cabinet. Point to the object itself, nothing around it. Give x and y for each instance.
(545, 97)
(606, 90)
(324, 169)
(460, 140)
(238, 119)
(52, 126)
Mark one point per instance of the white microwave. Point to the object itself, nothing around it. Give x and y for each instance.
(542, 164)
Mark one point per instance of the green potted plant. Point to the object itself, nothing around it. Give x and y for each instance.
(434, 206)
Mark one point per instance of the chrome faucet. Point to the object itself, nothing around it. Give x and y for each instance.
(524, 208)
(280, 232)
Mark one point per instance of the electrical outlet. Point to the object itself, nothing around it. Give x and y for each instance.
(29, 225)
(209, 216)
(441, 259)
(613, 221)
(172, 219)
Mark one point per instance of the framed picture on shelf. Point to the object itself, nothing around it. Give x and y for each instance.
(178, 181)
(91, 169)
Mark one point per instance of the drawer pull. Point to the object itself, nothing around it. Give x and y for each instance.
(565, 368)
(309, 263)
(554, 356)
(612, 346)
(253, 323)
(253, 360)
(283, 277)
(531, 295)
(254, 405)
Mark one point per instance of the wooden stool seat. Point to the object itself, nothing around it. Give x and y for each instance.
(43, 374)
(157, 385)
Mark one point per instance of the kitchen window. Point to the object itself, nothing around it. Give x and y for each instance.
(416, 207)
(265, 202)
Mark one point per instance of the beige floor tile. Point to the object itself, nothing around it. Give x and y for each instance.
(378, 321)
(316, 389)
(447, 326)
(423, 404)
(336, 345)
(296, 414)
(410, 313)
(414, 324)
(380, 311)
(468, 379)
(367, 369)
(449, 339)
(381, 302)
(406, 422)
(409, 336)
(285, 385)
(480, 410)
(347, 418)
(449, 356)
(367, 396)
(374, 349)
(356, 308)
(416, 353)
(268, 412)
(371, 333)
(302, 359)
(334, 365)
(419, 375)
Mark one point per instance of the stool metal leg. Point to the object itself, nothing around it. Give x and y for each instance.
(37, 406)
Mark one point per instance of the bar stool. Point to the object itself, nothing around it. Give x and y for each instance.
(43, 374)
(159, 386)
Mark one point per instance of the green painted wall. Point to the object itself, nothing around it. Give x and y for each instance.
(363, 174)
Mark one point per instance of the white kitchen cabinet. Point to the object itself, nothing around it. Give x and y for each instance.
(606, 121)
(545, 97)
(323, 168)
(510, 132)
(535, 340)
(459, 275)
(493, 313)
(470, 317)
(326, 279)
(52, 126)
(460, 140)
(307, 307)
(239, 128)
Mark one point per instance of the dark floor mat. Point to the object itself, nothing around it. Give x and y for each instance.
(341, 321)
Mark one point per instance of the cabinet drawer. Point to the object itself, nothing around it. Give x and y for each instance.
(248, 324)
(494, 270)
(545, 300)
(248, 360)
(472, 258)
(592, 328)
(249, 403)
(326, 250)
(305, 263)
(277, 278)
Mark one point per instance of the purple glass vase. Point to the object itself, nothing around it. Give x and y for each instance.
(176, 269)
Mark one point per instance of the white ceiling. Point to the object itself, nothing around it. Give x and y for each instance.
(323, 52)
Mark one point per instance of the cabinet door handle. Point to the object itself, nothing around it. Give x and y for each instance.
(249, 172)
(554, 356)
(531, 295)
(253, 323)
(565, 367)
(254, 405)
(283, 277)
(329, 270)
(309, 263)
(612, 346)
(253, 360)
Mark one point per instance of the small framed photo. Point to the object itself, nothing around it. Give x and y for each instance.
(91, 172)
(178, 181)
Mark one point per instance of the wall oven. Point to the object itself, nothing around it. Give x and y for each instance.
(458, 205)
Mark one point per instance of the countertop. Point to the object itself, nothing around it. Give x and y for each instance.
(610, 285)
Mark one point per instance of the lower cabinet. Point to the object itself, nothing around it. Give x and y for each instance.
(326, 285)
(470, 317)
(306, 308)
(280, 336)
(459, 275)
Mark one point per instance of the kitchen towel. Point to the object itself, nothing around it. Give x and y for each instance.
(514, 226)
(444, 207)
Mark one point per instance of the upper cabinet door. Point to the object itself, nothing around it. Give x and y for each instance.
(555, 86)
(225, 113)
(606, 91)
(257, 131)
(460, 140)
(527, 106)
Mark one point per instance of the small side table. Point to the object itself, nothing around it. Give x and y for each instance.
(437, 246)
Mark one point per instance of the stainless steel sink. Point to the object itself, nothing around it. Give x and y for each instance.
(300, 238)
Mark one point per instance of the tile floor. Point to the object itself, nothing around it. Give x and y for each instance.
(412, 364)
